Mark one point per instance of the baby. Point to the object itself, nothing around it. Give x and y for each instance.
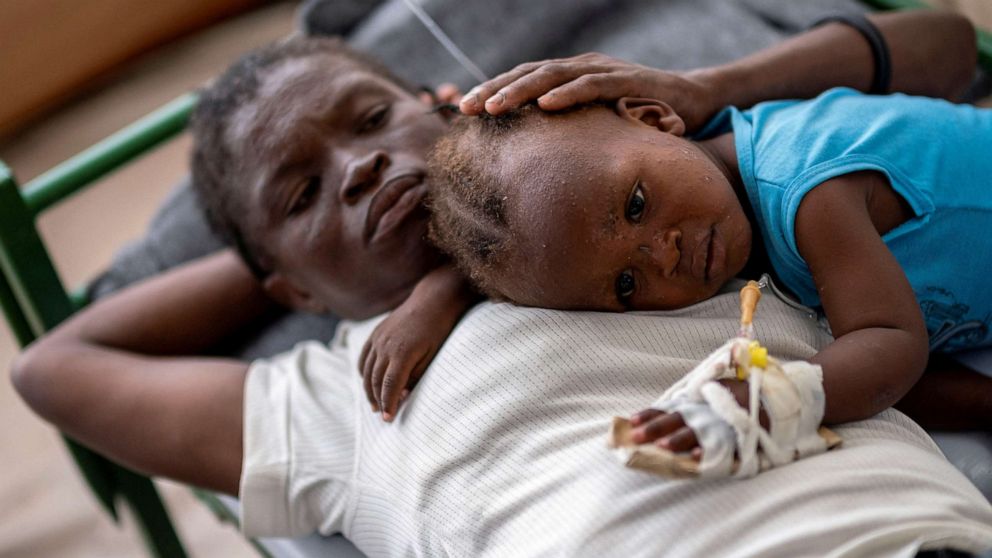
(870, 208)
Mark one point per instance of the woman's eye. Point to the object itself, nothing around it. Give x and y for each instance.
(374, 119)
(625, 286)
(635, 205)
(305, 195)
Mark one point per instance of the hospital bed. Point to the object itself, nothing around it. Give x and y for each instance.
(35, 300)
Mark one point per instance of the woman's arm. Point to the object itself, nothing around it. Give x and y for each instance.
(109, 376)
(932, 53)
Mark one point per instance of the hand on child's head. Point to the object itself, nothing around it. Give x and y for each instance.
(556, 84)
(566, 82)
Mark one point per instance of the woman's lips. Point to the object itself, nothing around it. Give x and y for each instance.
(395, 200)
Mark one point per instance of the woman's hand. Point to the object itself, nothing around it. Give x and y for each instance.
(565, 82)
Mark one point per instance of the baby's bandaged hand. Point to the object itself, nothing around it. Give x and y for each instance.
(734, 436)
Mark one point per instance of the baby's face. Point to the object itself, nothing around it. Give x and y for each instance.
(335, 166)
(611, 213)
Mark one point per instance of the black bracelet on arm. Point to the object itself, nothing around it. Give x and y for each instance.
(879, 49)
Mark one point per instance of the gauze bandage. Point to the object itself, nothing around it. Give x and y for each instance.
(731, 436)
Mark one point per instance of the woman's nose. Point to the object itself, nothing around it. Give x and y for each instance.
(665, 251)
(363, 174)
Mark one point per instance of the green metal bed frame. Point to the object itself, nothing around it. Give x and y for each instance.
(34, 300)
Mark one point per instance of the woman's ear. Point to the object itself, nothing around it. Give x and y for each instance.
(652, 112)
(282, 290)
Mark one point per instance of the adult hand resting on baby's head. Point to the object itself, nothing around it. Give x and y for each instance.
(561, 83)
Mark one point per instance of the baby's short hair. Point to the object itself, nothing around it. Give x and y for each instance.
(214, 163)
(470, 195)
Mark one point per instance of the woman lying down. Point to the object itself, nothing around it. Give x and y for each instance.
(499, 451)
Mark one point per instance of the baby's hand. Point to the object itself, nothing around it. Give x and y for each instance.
(669, 431)
(395, 357)
(399, 350)
(666, 430)
(562, 83)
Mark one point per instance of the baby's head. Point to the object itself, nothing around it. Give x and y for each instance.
(601, 207)
(311, 160)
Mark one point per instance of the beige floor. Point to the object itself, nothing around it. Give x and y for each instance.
(45, 510)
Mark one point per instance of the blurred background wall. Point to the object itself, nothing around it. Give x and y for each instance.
(52, 49)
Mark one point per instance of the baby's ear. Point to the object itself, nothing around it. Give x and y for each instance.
(652, 112)
(282, 290)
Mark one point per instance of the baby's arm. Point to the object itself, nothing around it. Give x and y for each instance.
(399, 350)
(932, 53)
(880, 347)
(112, 376)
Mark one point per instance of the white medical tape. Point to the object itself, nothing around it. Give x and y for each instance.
(808, 381)
(783, 406)
(791, 394)
(715, 436)
(725, 405)
(714, 366)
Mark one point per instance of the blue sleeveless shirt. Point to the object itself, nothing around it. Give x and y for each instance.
(935, 154)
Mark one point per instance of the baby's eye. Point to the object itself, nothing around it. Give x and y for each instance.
(635, 205)
(374, 119)
(625, 286)
(304, 195)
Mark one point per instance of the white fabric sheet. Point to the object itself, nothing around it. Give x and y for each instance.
(500, 451)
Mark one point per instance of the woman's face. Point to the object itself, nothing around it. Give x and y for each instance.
(335, 167)
(613, 213)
